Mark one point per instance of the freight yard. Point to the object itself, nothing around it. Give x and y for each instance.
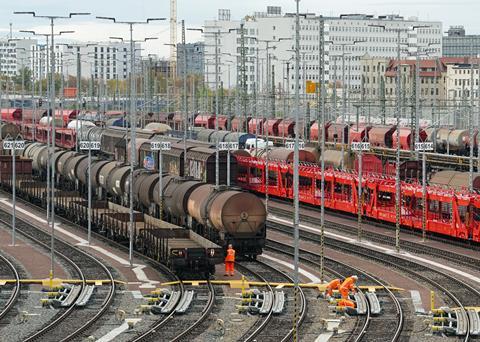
(326, 189)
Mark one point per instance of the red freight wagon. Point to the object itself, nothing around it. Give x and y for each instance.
(11, 114)
(381, 136)
(360, 134)
(206, 121)
(314, 131)
(272, 126)
(222, 123)
(286, 128)
(406, 138)
(252, 126)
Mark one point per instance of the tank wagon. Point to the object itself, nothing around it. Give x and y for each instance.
(220, 215)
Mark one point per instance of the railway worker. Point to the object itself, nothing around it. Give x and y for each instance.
(346, 303)
(331, 286)
(230, 261)
(347, 286)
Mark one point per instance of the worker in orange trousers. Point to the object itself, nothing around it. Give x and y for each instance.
(331, 286)
(347, 286)
(346, 303)
(230, 261)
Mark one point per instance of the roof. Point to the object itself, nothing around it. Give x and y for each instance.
(440, 63)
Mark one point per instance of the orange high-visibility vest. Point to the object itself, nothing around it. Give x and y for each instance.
(230, 255)
(349, 283)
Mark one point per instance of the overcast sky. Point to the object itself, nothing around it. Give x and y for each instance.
(450, 12)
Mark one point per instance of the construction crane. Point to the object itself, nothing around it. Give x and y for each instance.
(173, 39)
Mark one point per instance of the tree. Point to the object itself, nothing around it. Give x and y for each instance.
(25, 74)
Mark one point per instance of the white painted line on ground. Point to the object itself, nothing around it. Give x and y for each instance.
(312, 277)
(39, 219)
(137, 294)
(386, 250)
(137, 269)
(115, 332)
(325, 336)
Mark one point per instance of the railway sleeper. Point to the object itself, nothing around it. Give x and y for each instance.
(185, 302)
(66, 296)
(474, 318)
(375, 308)
(85, 296)
(456, 321)
(361, 303)
(278, 302)
(168, 305)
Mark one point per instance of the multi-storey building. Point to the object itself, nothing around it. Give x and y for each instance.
(459, 44)
(195, 53)
(104, 60)
(459, 80)
(40, 60)
(261, 30)
(14, 54)
(357, 35)
(381, 73)
(347, 37)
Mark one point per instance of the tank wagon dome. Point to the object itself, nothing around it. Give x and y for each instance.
(28, 147)
(97, 166)
(70, 168)
(456, 180)
(105, 173)
(333, 158)
(117, 180)
(241, 138)
(204, 135)
(176, 193)
(8, 129)
(158, 127)
(284, 154)
(146, 189)
(46, 121)
(139, 176)
(218, 136)
(156, 191)
(80, 123)
(81, 170)
(235, 212)
(36, 153)
(56, 157)
(62, 161)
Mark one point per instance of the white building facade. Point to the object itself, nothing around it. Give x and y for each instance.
(460, 82)
(14, 54)
(261, 30)
(40, 60)
(340, 33)
(104, 60)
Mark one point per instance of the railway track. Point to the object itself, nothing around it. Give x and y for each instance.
(10, 291)
(70, 322)
(365, 221)
(178, 327)
(380, 238)
(386, 327)
(458, 293)
(272, 327)
(157, 328)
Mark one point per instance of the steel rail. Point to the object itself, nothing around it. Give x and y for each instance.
(15, 293)
(404, 265)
